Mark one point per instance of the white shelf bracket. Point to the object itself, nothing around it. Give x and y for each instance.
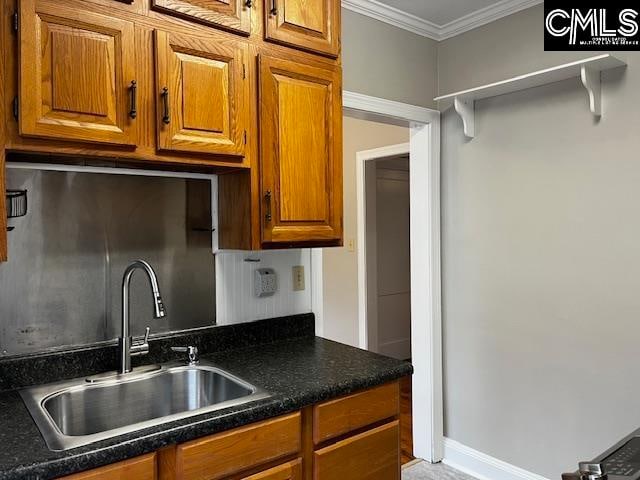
(591, 81)
(466, 110)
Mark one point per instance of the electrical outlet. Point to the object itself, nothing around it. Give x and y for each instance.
(265, 282)
(298, 277)
(351, 245)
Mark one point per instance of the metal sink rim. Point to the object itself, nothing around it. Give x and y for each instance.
(35, 398)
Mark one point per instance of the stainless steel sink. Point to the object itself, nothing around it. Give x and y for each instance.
(74, 413)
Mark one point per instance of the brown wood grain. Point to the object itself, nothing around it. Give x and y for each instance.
(372, 455)
(166, 463)
(312, 25)
(222, 455)
(288, 471)
(343, 415)
(75, 72)
(231, 15)
(301, 154)
(406, 426)
(234, 211)
(140, 468)
(208, 94)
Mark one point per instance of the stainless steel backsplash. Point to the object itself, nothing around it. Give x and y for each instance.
(62, 283)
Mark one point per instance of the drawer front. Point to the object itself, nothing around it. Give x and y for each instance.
(372, 455)
(288, 471)
(140, 468)
(343, 415)
(246, 447)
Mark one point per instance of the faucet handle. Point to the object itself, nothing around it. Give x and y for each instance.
(141, 347)
(191, 351)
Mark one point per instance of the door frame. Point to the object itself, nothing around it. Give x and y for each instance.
(426, 308)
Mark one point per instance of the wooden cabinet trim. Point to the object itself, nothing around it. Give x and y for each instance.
(239, 449)
(347, 414)
(140, 468)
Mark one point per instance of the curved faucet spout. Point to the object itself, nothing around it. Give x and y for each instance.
(125, 341)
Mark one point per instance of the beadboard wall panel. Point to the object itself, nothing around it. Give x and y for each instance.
(235, 299)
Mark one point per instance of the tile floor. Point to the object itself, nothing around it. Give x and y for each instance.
(427, 471)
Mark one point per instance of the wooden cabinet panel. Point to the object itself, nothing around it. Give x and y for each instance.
(301, 142)
(140, 468)
(288, 471)
(230, 452)
(372, 455)
(234, 15)
(204, 85)
(308, 24)
(343, 415)
(76, 68)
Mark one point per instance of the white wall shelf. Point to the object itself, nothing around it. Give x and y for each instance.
(587, 69)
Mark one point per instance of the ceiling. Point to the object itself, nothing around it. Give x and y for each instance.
(439, 12)
(437, 19)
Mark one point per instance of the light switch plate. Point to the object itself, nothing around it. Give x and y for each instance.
(265, 282)
(298, 278)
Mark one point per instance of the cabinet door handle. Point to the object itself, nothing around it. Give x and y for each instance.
(274, 7)
(133, 93)
(165, 101)
(267, 197)
(249, 3)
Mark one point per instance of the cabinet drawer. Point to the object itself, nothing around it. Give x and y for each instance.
(230, 452)
(343, 415)
(288, 471)
(140, 468)
(372, 455)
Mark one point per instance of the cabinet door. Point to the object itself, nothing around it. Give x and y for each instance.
(202, 94)
(288, 471)
(372, 455)
(76, 69)
(308, 24)
(234, 15)
(301, 142)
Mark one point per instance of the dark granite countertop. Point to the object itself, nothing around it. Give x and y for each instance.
(297, 371)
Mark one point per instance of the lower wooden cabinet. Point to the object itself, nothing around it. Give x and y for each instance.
(366, 446)
(140, 468)
(288, 471)
(372, 455)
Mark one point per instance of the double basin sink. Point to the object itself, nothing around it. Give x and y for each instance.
(79, 412)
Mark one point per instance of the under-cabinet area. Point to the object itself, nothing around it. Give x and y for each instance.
(188, 85)
(352, 437)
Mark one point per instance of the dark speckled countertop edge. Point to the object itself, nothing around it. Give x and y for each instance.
(297, 371)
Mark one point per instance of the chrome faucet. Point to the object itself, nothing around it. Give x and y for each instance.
(127, 346)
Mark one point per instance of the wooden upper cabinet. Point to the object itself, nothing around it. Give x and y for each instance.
(234, 15)
(202, 94)
(301, 142)
(308, 24)
(76, 69)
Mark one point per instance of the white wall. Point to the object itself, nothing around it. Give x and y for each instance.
(541, 258)
(384, 61)
(235, 300)
(340, 265)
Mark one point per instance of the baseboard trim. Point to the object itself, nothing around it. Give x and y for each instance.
(482, 466)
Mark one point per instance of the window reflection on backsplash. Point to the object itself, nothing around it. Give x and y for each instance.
(62, 283)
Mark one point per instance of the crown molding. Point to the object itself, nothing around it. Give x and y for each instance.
(485, 15)
(393, 16)
(398, 18)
